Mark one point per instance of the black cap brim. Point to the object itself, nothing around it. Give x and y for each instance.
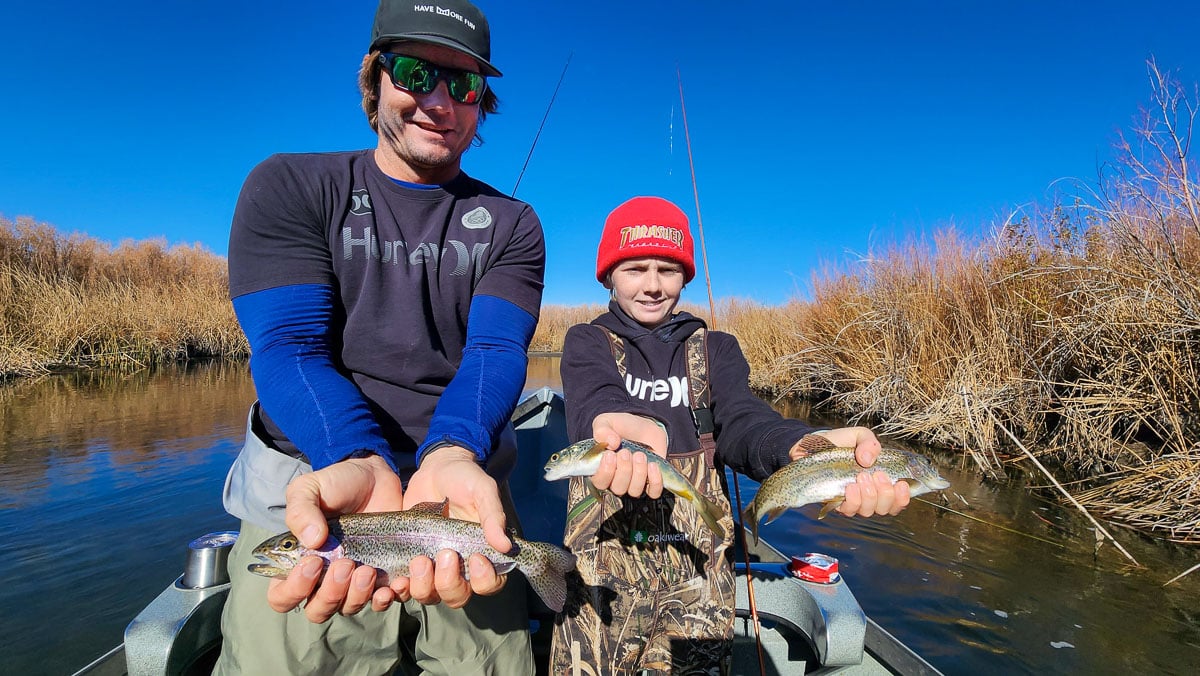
(487, 68)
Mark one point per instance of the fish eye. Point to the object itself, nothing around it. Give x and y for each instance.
(554, 457)
(287, 544)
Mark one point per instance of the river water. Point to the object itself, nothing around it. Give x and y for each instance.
(104, 479)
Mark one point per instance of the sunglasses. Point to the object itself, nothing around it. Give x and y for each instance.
(421, 77)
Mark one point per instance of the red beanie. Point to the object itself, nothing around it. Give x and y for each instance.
(646, 227)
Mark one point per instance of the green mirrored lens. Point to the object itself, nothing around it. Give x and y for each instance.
(465, 87)
(421, 77)
(413, 74)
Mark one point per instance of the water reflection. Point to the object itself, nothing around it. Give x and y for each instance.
(543, 372)
(103, 480)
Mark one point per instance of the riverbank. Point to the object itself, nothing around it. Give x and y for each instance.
(71, 301)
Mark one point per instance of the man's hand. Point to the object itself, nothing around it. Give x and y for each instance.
(872, 493)
(622, 472)
(353, 485)
(453, 473)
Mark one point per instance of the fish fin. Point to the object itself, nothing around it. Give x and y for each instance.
(774, 513)
(712, 514)
(829, 506)
(592, 487)
(440, 508)
(815, 443)
(505, 567)
(748, 513)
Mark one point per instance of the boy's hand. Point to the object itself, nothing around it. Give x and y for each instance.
(626, 473)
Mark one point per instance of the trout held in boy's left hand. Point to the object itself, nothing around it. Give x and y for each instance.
(582, 459)
(823, 477)
(389, 540)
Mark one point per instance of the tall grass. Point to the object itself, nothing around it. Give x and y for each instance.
(555, 320)
(69, 301)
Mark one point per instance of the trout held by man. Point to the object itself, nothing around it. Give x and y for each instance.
(823, 477)
(582, 459)
(387, 541)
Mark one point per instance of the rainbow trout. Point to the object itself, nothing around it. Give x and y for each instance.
(823, 477)
(583, 459)
(389, 540)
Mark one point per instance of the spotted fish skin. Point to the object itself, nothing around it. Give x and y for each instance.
(824, 475)
(387, 541)
(583, 459)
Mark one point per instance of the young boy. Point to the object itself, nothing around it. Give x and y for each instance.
(655, 588)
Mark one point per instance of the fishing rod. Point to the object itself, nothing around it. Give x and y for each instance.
(543, 124)
(712, 314)
(712, 322)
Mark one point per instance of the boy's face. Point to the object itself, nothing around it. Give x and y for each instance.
(647, 289)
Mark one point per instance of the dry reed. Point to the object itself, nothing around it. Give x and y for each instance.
(555, 320)
(67, 301)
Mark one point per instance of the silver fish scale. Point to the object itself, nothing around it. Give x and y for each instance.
(389, 540)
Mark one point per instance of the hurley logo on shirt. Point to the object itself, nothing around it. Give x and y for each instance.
(673, 388)
(398, 252)
(465, 256)
(360, 202)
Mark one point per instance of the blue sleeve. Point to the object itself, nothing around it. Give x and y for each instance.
(481, 397)
(298, 383)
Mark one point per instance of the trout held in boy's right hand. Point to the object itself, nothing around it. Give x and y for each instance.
(583, 459)
(823, 477)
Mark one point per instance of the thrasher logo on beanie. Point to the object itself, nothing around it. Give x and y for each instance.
(645, 227)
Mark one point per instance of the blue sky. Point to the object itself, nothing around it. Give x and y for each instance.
(821, 131)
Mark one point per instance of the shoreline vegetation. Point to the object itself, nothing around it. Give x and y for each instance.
(1072, 329)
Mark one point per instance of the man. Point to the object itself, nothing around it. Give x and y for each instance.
(374, 287)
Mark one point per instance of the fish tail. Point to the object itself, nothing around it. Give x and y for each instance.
(749, 518)
(712, 514)
(545, 567)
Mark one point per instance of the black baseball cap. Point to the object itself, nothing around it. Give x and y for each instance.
(456, 24)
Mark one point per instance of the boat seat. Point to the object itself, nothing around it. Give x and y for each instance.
(826, 616)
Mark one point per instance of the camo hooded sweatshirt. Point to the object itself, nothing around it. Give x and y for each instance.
(752, 438)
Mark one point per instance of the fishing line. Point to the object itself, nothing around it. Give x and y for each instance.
(712, 323)
(543, 124)
(989, 523)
